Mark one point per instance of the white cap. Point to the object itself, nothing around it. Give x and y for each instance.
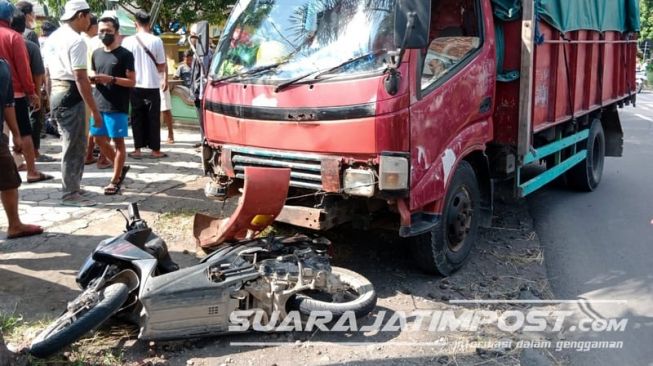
(72, 7)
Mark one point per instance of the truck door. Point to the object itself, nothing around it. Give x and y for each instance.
(453, 94)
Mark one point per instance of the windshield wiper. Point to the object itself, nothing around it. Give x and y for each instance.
(319, 73)
(249, 72)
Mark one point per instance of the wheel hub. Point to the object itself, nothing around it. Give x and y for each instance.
(459, 219)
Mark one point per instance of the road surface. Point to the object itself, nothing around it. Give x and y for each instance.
(599, 246)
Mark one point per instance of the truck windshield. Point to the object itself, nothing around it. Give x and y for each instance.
(290, 38)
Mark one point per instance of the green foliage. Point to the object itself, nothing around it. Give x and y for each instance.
(186, 12)
(646, 17)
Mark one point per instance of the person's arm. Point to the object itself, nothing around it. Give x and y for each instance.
(21, 63)
(10, 118)
(128, 82)
(161, 64)
(78, 58)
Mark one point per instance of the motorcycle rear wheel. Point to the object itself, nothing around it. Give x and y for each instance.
(361, 301)
(69, 328)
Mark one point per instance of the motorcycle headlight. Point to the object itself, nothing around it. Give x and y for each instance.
(359, 182)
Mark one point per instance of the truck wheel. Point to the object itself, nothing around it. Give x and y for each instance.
(586, 176)
(446, 248)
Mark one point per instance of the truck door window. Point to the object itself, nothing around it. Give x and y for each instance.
(454, 36)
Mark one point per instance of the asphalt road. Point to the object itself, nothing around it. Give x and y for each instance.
(599, 246)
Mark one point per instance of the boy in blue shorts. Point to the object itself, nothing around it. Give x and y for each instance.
(114, 77)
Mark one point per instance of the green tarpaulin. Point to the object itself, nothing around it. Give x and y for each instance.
(571, 15)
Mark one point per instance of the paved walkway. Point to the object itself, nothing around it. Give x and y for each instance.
(40, 202)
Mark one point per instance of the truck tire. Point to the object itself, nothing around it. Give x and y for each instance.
(447, 247)
(586, 176)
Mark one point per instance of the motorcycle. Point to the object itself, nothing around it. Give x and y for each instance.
(133, 275)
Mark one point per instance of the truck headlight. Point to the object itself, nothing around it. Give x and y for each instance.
(393, 173)
(359, 182)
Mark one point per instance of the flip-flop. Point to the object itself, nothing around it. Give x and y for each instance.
(104, 166)
(42, 177)
(134, 155)
(163, 155)
(123, 174)
(89, 162)
(34, 230)
(22, 167)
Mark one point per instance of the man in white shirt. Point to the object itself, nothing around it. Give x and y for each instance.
(149, 60)
(66, 61)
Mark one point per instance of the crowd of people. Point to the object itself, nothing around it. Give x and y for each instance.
(94, 82)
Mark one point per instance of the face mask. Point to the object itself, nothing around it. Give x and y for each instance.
(107, 38)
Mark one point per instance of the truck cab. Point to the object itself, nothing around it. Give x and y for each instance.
(379, 108)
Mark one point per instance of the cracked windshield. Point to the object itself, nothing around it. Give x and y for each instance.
(314, 35)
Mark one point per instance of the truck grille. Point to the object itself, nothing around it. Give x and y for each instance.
(305, 169)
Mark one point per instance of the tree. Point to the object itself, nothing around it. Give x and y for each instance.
(646, 19)
(185, 12)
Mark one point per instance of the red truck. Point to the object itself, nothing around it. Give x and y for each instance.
(414, 109)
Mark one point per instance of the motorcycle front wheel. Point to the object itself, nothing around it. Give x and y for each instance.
(74, 323)
(360, 297)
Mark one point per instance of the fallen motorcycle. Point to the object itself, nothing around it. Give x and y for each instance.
(134, 275)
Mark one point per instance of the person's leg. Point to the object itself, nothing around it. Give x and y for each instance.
(22, 117)
(72, 126)
(138, 116)
(166, 113)
(167, 119)
(119, 160)
(154, 121)
(36, 119)
(9, 183)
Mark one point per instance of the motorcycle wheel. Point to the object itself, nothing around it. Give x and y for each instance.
(359, 298)
(68, 328)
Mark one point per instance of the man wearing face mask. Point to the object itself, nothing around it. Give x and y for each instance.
(114, 77)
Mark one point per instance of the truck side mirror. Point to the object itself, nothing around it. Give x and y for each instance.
(418, 35)
(203, 41)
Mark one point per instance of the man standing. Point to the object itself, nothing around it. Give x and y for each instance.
(183, 72)
(13, 49)
(37, 117)
(113, 66)
(92, 43)
(65, 55)
(10, 179)
(27, 9)
(149, 59)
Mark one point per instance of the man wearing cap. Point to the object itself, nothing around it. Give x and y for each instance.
(113, 66)
(150, 60)
(13, 49)
(66, 61)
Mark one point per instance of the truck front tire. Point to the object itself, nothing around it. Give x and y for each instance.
(586, 176)
(447, 247)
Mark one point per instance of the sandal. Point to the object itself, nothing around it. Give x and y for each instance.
(135, 155)
(159, 156)
(77, 200)
(42, 177)
(22, 167)
(112, 189)
(90, 161)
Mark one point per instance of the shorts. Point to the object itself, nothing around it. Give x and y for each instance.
(115, 125)
(22, 117)
(166, 103)
(9, 179)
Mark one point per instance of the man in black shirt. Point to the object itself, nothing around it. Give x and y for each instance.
(114, 76)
